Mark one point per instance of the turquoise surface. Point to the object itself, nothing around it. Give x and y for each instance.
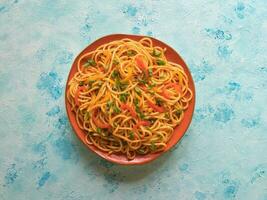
(223, 154)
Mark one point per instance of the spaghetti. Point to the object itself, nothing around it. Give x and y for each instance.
(128, 97)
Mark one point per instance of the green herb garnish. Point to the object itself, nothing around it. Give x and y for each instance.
(131, 135)
(160, 62)
(115, 74)
(150, 71)
(123, 97)
(178, 111)
(141, 115)
(90, 83)
(86, 116)
(119, 85)
(98, 130)
(109, 105)
(90, 62)
(142, 151)
(131, 53)
(116, 109)
(159, 102)
(115, 62)
(153, 147)
(81, 83)
(156, 53)
(143, 81)
(136, 102)
(151, 86)
(137, 90)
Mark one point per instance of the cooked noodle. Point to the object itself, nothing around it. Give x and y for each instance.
(128, 97)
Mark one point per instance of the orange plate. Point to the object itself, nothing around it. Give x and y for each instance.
(179, 131)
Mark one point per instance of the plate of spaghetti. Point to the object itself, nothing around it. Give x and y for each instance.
(129, 98)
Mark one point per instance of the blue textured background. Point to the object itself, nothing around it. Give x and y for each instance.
(223, 154)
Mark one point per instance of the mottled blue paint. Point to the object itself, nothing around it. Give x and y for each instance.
(135, 30)
(130, 10)
(51, 83)
(111, 181)
(149, 33)
(219, 34)
(239, 10)
(45, 176)
(64, 148)
(40, 164)
(223, 113)
(27, 116)
(224, 51)
(203, 112)
(183, 167)
(64, 57)
(105, 164)
(11, 175)
(258, 173)
(200, 72)
(250, 122)
(200, 195)
(2, 8)
(233, 86)
(39, 148)
(61, 123)
(54, 111)
(230, 191)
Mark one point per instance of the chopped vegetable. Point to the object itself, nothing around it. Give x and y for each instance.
(141, 123)
(116, 109)
(90, 62)
(115, 74)
(143, 81)
(166, 115)
(137, 90)
(98, 130)
(150, 71)
(178, 111)
(109, 104)
(151, 86)
(129, 108)
(159, 102)
(160, 62)
(136, 103)
(141, 64)
(141, 115)
(156, 53)
(90, 83)
(177, 87)
(165, 94)
(119, 85)
(153, 147)
(141, 151)
(98, 122)
(115, 62)
(131, 135)
(123, 97)
(131, 53)
(155, 107)
(81, 83)
(86, 116)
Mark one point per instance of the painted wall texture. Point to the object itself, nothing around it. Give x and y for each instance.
(223, 154)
